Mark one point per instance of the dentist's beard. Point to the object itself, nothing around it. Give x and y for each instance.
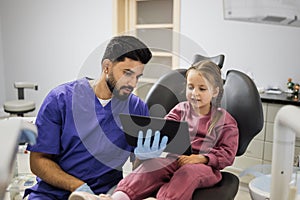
(111, 84)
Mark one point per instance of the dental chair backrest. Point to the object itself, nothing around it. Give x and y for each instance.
(242, 100)
(219, 59)
(173, 85)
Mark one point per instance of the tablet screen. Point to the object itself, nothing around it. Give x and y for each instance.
(177, 132)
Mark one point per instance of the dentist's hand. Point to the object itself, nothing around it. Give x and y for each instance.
(145, 151)
(85, 188)
(27, 136)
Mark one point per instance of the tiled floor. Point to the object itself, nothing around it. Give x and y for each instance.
(243, 194)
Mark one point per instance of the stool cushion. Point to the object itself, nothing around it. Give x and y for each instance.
(19, 106)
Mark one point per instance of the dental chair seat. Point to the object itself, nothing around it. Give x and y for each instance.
(226, 188)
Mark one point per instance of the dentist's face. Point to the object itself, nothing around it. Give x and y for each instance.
(123, 76)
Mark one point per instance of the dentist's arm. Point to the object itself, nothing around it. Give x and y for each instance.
(43, 166)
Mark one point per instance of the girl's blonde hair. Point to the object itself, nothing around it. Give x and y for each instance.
(212, 73)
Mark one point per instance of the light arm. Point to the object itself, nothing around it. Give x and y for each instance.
(286, 129)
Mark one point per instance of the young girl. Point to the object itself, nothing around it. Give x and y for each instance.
(214, 136)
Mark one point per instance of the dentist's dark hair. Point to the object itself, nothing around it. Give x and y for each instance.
(125, 46)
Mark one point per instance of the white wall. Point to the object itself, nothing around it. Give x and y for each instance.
(2, 82)
(48, 41)
(269, 52)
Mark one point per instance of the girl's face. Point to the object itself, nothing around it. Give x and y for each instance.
(199, 92)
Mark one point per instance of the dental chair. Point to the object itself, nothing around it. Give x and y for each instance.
(12, 132)
(241, 99)
(21, 106)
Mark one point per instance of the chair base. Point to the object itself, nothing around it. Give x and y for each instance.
(20, 114)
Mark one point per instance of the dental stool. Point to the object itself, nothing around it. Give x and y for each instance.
(21, 106)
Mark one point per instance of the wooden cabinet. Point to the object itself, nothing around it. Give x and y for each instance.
(156, 22)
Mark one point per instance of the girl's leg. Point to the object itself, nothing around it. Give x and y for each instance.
(147, 178)
(186, 179)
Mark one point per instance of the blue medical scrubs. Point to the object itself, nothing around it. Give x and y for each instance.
(85, 137)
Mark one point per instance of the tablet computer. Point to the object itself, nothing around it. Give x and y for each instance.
(177, 132)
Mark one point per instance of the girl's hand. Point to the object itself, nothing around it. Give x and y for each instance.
(192, 159)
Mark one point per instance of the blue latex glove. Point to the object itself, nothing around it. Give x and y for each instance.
(144, 151)
(85, 188)
(27, 136)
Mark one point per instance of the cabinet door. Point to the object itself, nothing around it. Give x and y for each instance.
(154, 12)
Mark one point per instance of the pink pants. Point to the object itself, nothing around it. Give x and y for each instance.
(162, 175)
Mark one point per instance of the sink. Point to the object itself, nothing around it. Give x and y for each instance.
(260, 187)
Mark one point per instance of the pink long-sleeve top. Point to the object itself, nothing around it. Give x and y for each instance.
(220, 146)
